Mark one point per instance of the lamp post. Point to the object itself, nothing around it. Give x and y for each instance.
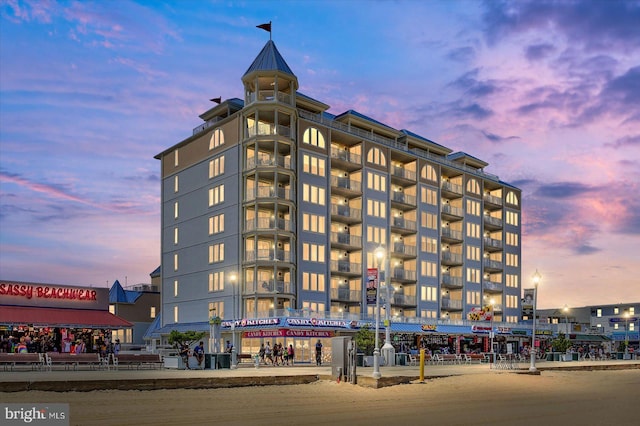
(376, 350)
(566, 320)
(388, 351)
(234, 351)
(212, 314)
(626, 333)
(536, 280)
(491, 332)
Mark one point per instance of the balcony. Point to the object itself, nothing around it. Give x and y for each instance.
(345, 214)
(345, 186)
(344, 267)
(270, 96)
(451, 190)
(449, 281)
(345, 241)
(492, 265)
(346, 160)
(269, 287)
(491, 244)
(450, 259)
(492, 223)
(270, 193)
(451, 305)
(268, 224)
(269, 129)
(403, 275)
(402, 174)
(492, 202)
(404, 200)
(403, 250)
(346, 295)
(452, 213)
(448, 235)
(269, 161)
(403, 300)
(269, 255)
(492, 286)
(402, 226)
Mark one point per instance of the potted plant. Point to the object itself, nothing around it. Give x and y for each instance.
(562, 344)
(365, 343)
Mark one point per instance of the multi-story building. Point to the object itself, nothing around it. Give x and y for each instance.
(274, 207)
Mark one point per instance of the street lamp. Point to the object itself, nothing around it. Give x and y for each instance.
(566, 320)
(234, 351)
(536, 280)
(388, 351)
(490, 301)
(626, 332)
(376, 350)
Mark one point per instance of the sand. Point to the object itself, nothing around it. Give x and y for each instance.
(552, 398)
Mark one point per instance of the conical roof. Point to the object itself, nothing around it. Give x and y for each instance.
(269, 59)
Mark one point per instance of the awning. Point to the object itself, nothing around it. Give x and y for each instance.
(588, 338)
(56, 317)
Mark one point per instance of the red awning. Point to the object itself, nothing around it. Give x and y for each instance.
(56, 317)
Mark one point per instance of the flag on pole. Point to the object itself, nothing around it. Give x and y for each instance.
(216, 100)
(266, 27)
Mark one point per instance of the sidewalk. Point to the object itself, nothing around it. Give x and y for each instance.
(247, 375)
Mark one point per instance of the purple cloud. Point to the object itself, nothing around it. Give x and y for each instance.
(536, 52)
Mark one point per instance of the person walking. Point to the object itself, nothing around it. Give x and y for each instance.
(290, 354)
(319, 353)
(198, 352)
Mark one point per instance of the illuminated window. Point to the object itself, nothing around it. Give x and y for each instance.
(313, 194)
(376, 208)
(513, 218)
(216, 195)
(175, 314)
(429, 313)
(428, 269)
(216, 224)
(313, 223)
(112, 309)
(216, 281)
(314, 137)
(313, 252)
(429, 245)
(175, 262)
(377, 235)
(216, 309)
(376, 156)
(473, 253)
(313, 282)
(376, 182)
(429, 173)
(217, 139)
(473, 275)
(313, 165)
(313, 306)
(473, 207)
(175, 210)
(175, 235)
(175, 183)
(473, 297)
(473, 230)
(512, 198)
(152, 314)
(216, 167)
(511, 239)
(429, 196)
(176, 163)
(216, 253)
(473, 186)
(428, 294)
(429, 220)
(175, 288)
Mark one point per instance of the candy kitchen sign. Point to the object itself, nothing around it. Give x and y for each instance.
(51, 295)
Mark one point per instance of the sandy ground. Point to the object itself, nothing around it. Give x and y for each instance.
(552, 398)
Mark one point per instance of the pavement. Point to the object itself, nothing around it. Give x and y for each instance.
(84, 380)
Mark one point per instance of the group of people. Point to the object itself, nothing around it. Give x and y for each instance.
(278, 355)
(198, 354)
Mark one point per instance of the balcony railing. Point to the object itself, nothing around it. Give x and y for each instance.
(270, 96)
(451, 304)
(452, 211)
(268, 129)
(400, 222)
(451, 281)
(492, 285)
(449, 257)
(403, 173)
(346, 295)
(403, 198)
(346, 266)
(403, 299)
(450, 233)
(403, 274)
(269, 192)
(451, 187)
(493, 221)
(346, 183)
(269, 161)
(268, 224)
(346, 211)
(492, 264)
(492, 242)
(345, 155)
(268, 286)
(492, 199)
(404, 249)
(269, 255)
(346, 239)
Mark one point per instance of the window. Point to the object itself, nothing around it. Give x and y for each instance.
(313, 282)
(473, 275)
(429, 173)
(175, 314)
(616, 311)
(175, 262)
(216, 195)
(216, 281)
(473, 230)
(175, 183)
(428, 269)
(216, 167)
(512, 239)
(313, 136)
(473, 186)
(176, 163)
(216, 309)
(376, 156)
(512, 280)
(313, 223)
(599, 313)
(376, 182)
(513, 218)
(313, 165)
(175, 288)
(632, 310)
(217, 139)
(473, 297)
(473, 207)
(429, 294)
(152, 313)
(512, 301)
(313, 252)
(313, 194)
(175, 235)
(429, 196)
(428, 313)
(376, 208)
(473, 253)
(313, 306)
(376, 235)
(216, 224)
(429, 220)
(175, 210)
(512, 198)
(216, 253)
(112, 309)
(512, 260)
(429, 245)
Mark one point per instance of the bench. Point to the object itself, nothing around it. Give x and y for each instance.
(138, 360)
(9, 360)
(480, 358)
(75, 360)
(242, 357)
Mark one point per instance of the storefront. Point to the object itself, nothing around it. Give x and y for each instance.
(53, 317)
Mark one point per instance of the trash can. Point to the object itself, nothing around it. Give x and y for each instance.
(360, 359)
(401, 359)
(210, 361)
(223, 361)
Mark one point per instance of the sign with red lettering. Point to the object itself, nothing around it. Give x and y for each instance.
(285, 332)
(50, 295)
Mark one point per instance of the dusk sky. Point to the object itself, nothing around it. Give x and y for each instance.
(548, 93)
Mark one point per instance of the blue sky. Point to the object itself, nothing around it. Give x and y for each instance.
(546, 92)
